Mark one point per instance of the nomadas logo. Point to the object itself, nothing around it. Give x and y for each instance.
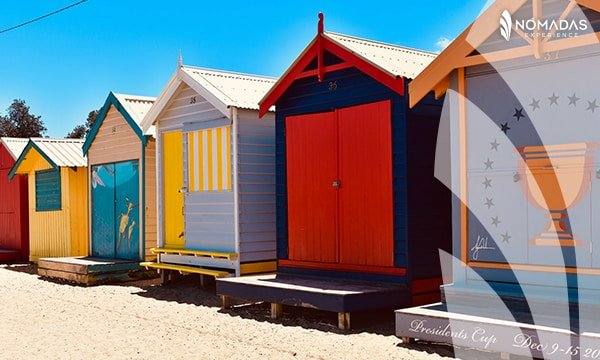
(544, 28)
(506, 25)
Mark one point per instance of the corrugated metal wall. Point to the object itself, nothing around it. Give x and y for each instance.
(78, 208)
(60, 233)
(256, 168)
(14, 227)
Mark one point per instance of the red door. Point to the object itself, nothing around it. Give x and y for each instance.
(312, 201)
(366, 196)
(339, 177)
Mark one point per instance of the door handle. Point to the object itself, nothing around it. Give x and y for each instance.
(336, 184)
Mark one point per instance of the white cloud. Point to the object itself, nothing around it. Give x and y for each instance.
(442, 43)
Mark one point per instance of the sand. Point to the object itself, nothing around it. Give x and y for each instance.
(143, 320)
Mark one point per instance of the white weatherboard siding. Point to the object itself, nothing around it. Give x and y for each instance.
(186, 107)
(208, 215)
(199, 100)
(256, 167)
(209, 219)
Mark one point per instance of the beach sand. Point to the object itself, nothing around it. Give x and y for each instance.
(143, 320)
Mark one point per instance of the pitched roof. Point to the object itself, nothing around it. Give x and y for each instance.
(133, 108)
(387, 63)
(233, 89)
(223, 89)
(398, 60)
(137, 106)
(56, 152)
(470, 39)
(62, 152)
(15, 146)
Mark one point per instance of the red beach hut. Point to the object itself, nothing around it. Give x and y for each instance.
(14, 215)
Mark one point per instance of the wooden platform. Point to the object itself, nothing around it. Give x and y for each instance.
(185, 269)
(92, 271)
(336, 295)
(7, 256)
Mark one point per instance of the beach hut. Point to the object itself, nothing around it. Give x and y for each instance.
(14, 213)
(56, 172)
(358, 207)
(215, 174)
(122, 181)
(521, 90)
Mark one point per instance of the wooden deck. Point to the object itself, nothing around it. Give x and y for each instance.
(92, 271)
(341, 296)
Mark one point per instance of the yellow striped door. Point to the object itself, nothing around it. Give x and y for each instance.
(173, 183)
(209, 155)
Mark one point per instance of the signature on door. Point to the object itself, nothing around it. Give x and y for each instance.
(481, 244)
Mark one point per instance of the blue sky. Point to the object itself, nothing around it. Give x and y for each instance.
(65, 65)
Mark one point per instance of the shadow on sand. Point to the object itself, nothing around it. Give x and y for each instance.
(187, 290)
(23, 267)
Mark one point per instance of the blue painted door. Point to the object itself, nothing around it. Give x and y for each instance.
(127, 205)
(103, 211)
(115, 211)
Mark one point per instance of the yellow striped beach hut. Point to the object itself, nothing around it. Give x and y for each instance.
(215, 174)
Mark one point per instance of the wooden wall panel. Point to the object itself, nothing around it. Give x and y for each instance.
(256, 186)
(115, 141)
(150, 191)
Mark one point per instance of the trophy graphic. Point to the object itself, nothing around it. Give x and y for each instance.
(556, 178)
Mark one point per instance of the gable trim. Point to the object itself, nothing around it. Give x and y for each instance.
(30, 145)
(457, 53)
(112, 100)
(314, 50)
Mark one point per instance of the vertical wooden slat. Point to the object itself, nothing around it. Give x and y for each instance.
(366, 214)
(312, 200)
(173, 182)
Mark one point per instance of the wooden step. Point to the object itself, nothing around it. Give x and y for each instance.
(185, 269)
(211, 254)
(92, 271)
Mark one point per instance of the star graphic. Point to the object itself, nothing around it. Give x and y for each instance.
(535, 104)
(505, 128)
(495, 145)
(592, 105)
(573, 99)
(553, 99)
(506, 238)
(496, 221)
(519, 114)
(488, 164)
(489, 202)
(487, 182)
